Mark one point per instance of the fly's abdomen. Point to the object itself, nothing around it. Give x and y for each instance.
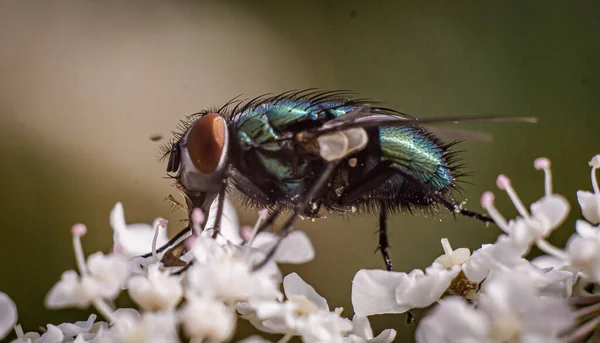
(415, 152)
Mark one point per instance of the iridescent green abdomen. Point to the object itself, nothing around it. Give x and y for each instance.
(414, 151)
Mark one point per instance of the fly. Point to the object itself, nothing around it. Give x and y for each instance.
(302, 151)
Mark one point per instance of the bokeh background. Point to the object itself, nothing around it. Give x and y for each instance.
(84, 84)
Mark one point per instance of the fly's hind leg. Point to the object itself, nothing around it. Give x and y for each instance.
(383, 238)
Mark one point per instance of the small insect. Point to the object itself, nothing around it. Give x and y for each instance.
(155, 137)
(304, 151)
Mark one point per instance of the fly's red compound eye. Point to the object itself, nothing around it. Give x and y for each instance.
(206, 141)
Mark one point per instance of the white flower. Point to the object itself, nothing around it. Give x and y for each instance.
(379, 291)
(107, 275)
(555, 277)
(295, 248)
(74, 329)
(510, 310)
(512, 303)
(546, 214)
(254, 339)
(102, 277)
(452, 258)
(150, 327)
(304, 313)
(583, 250)
(205, 318)
(362, 332)
(229, 229)
(135, 239)
(590, 202)
(221, 272)
(52, 335)
(504, 253)
(8, 314)
(453, 321)
(156, 291)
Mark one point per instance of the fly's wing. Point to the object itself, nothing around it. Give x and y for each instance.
(449, 135)
(379, 120)
(345, 135)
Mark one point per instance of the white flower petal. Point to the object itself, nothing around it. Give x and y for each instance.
(453, 321)
(134, 239)
(590, 206)
(295, 248)
(72, 330)
(423, 290)
(157, 291)
(150, 327)
(374, 292)
(586, 229)
(70, 291)
(547, 261)
(109, 272)
(386, 336)
(8, 315)
(362, 327)
(229, 228)
(554, 208)
(52, 335)
(248, 312)
(117, 218)
(254, 339)
(504, 253)
(293, 285)
(323, 327)
(231, 281)
(207, 319)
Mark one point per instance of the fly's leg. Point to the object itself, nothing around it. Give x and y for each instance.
(454, 208)
(220, 207)
(275, 212)
(247, 186)
(373, 179)
(181, 235)
(321, 182)
(367, 183)
(449, 204)
(383, 239)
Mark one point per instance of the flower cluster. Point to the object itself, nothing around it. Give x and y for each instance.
(197, 296)
(199, 290)
(495, 294)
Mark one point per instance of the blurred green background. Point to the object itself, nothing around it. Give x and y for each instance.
(84, 84)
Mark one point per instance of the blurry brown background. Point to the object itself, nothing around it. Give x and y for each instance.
(83, 85)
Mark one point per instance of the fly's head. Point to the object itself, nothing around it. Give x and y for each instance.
(199, 158)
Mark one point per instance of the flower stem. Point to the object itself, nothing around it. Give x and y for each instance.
(79, 256)
(585, 311)
(285, 338)
(584, 299)
(104, 309)
(551, 250)
(582, 331)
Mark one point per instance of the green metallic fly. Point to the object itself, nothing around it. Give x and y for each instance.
(303, 151)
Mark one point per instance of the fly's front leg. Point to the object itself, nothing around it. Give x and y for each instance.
(301, 206)
(220, 206)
